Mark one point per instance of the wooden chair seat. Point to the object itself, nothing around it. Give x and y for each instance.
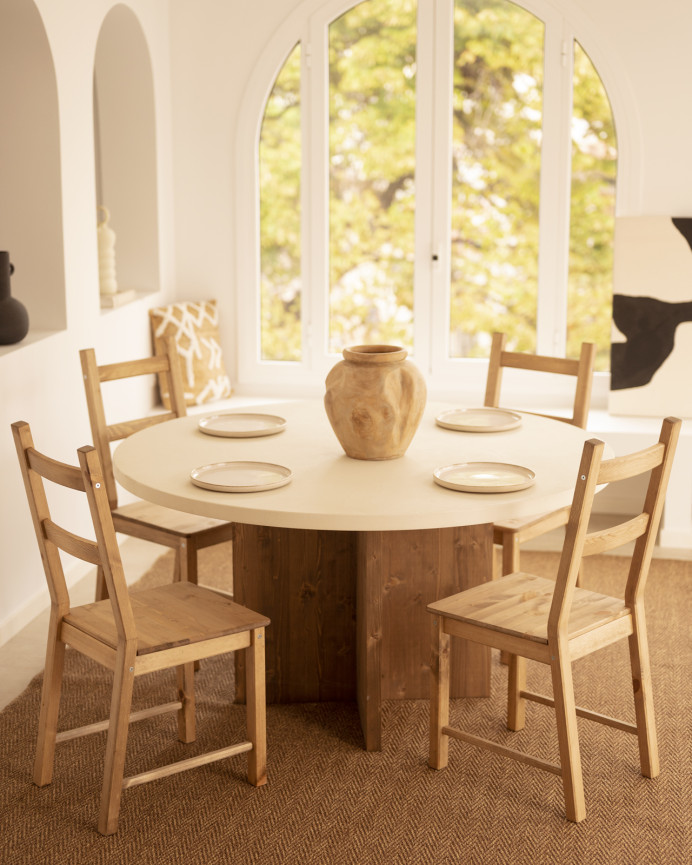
(519, 605)
(146, 514)
(167, 617)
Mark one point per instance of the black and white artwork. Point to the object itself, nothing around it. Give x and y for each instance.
(651, 353)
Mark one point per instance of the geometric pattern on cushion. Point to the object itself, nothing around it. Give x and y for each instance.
(194, 325)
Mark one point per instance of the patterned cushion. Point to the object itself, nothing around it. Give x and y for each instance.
(195, 327)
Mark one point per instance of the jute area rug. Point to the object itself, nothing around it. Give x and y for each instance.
(327, 801)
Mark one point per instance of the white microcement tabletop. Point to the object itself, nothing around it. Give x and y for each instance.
(329, 490)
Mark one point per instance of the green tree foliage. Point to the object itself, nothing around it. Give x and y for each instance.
(372, 86)
(594, 155)
(280, 169)
(496, 150)
(497, 105)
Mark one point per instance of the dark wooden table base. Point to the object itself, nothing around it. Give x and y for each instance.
(347, 610)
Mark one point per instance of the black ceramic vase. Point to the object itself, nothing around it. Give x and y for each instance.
(14, 319)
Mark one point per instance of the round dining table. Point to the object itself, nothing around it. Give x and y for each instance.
(346, 554)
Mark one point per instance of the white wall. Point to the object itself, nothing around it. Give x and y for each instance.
(40, 379)
(229, 36)
(651, 42)
(202, 54)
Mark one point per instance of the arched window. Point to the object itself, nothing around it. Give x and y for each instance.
(427, 173)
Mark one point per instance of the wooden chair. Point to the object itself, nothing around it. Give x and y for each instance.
(556, 623)
(185, 533)
(154, 629)
(512, 533)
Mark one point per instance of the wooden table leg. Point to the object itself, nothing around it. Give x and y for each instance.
(304, 581)
(347, 610)
(399, 574)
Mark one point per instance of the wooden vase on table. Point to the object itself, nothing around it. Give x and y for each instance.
(374, 401)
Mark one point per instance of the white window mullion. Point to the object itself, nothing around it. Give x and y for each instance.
(556, 168)
(247, 230)
(440, 159)
(315, 197)
(463, 378)
(424, 236)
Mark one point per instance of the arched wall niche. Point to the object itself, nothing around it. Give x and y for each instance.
(125, 147)
(31, 226)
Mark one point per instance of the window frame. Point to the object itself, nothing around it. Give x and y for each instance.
(309, 24)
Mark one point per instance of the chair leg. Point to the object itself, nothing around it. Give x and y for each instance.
(50, 706)
(187, 553)
(568, 737)
(256, 703)
(510, 565)
(643, 697)
(439, 697)
(186, 570)
(121, 701)
(510, 553)
(516, 682)
(101, 587)
(186, 694)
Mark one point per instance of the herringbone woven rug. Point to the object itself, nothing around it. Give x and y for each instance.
(330, 803)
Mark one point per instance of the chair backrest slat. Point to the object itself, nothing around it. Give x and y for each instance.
(616, 536)
(55, 471)
(166, 365)
(73, 544)
(642, 528)
(36, 467)
(581, 368)
(621, 468)
(156, 364)
(539, 362)
(118, 431)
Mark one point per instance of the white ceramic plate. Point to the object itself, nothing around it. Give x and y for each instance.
(478, 419)
(484, 477)
(241, 424)
(240, 476)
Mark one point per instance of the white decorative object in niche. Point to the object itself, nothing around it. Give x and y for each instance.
(108, 283)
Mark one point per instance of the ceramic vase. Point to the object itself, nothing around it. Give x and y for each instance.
(14, 319)
(108, 283)
(374, 401)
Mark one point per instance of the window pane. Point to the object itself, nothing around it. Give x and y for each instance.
(496, 150)
(372, 77)
(279, 168)
(592, 225)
